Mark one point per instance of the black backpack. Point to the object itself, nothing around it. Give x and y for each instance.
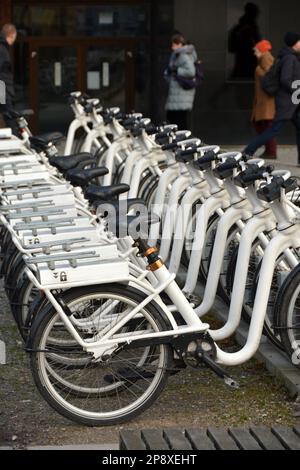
(270, 82)
(191, 83)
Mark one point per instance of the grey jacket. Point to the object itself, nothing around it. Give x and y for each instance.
(289, 72)
(182, 62)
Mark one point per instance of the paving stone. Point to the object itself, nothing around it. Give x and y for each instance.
(77, 447)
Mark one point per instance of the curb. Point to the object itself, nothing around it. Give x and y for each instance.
(93, 447)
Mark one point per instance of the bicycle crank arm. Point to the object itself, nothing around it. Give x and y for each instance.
(218, 371)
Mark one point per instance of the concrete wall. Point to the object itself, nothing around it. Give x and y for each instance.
(222, 108)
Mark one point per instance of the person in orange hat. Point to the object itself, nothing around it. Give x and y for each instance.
(264, 105)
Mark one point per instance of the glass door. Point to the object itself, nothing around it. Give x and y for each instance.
(106, 75)
(57, 77)
(104, 71)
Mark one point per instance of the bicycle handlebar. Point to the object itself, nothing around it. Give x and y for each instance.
(273, 191)
(284, 174)
(251, 174)
(180, 139)
(225, 170)
(165, 132)
(228, 155)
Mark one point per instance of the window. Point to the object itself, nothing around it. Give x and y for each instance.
(77, 20)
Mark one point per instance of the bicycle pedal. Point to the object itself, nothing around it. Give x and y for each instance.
(219, 371)
(230, 382)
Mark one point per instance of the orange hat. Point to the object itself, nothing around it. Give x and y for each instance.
(264, 46)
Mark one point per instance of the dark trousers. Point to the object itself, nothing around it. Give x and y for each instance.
(274, 131)
(180, 118)
(271, 145)
(5, 111)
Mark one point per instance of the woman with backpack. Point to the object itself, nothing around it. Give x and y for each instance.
(180, 100)
(264, 105)
(288, 71)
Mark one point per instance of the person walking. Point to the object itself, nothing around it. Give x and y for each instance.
(8, 36)
(180, 101)
(286, 108)
(264, 105)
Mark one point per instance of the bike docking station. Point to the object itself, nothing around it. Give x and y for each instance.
(107, 315)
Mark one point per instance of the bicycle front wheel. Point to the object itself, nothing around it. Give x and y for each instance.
(88, 391)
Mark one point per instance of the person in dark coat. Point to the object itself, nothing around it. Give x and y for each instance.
(286, 108)
(8, 36)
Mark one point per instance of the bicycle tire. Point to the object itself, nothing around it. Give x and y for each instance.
(38, 338)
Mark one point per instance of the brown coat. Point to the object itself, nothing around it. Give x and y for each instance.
(264, 105)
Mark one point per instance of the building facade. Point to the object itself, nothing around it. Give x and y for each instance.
(117, 50)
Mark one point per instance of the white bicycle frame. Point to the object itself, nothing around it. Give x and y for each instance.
(93, 135)
(81, 119)
(112, 158)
